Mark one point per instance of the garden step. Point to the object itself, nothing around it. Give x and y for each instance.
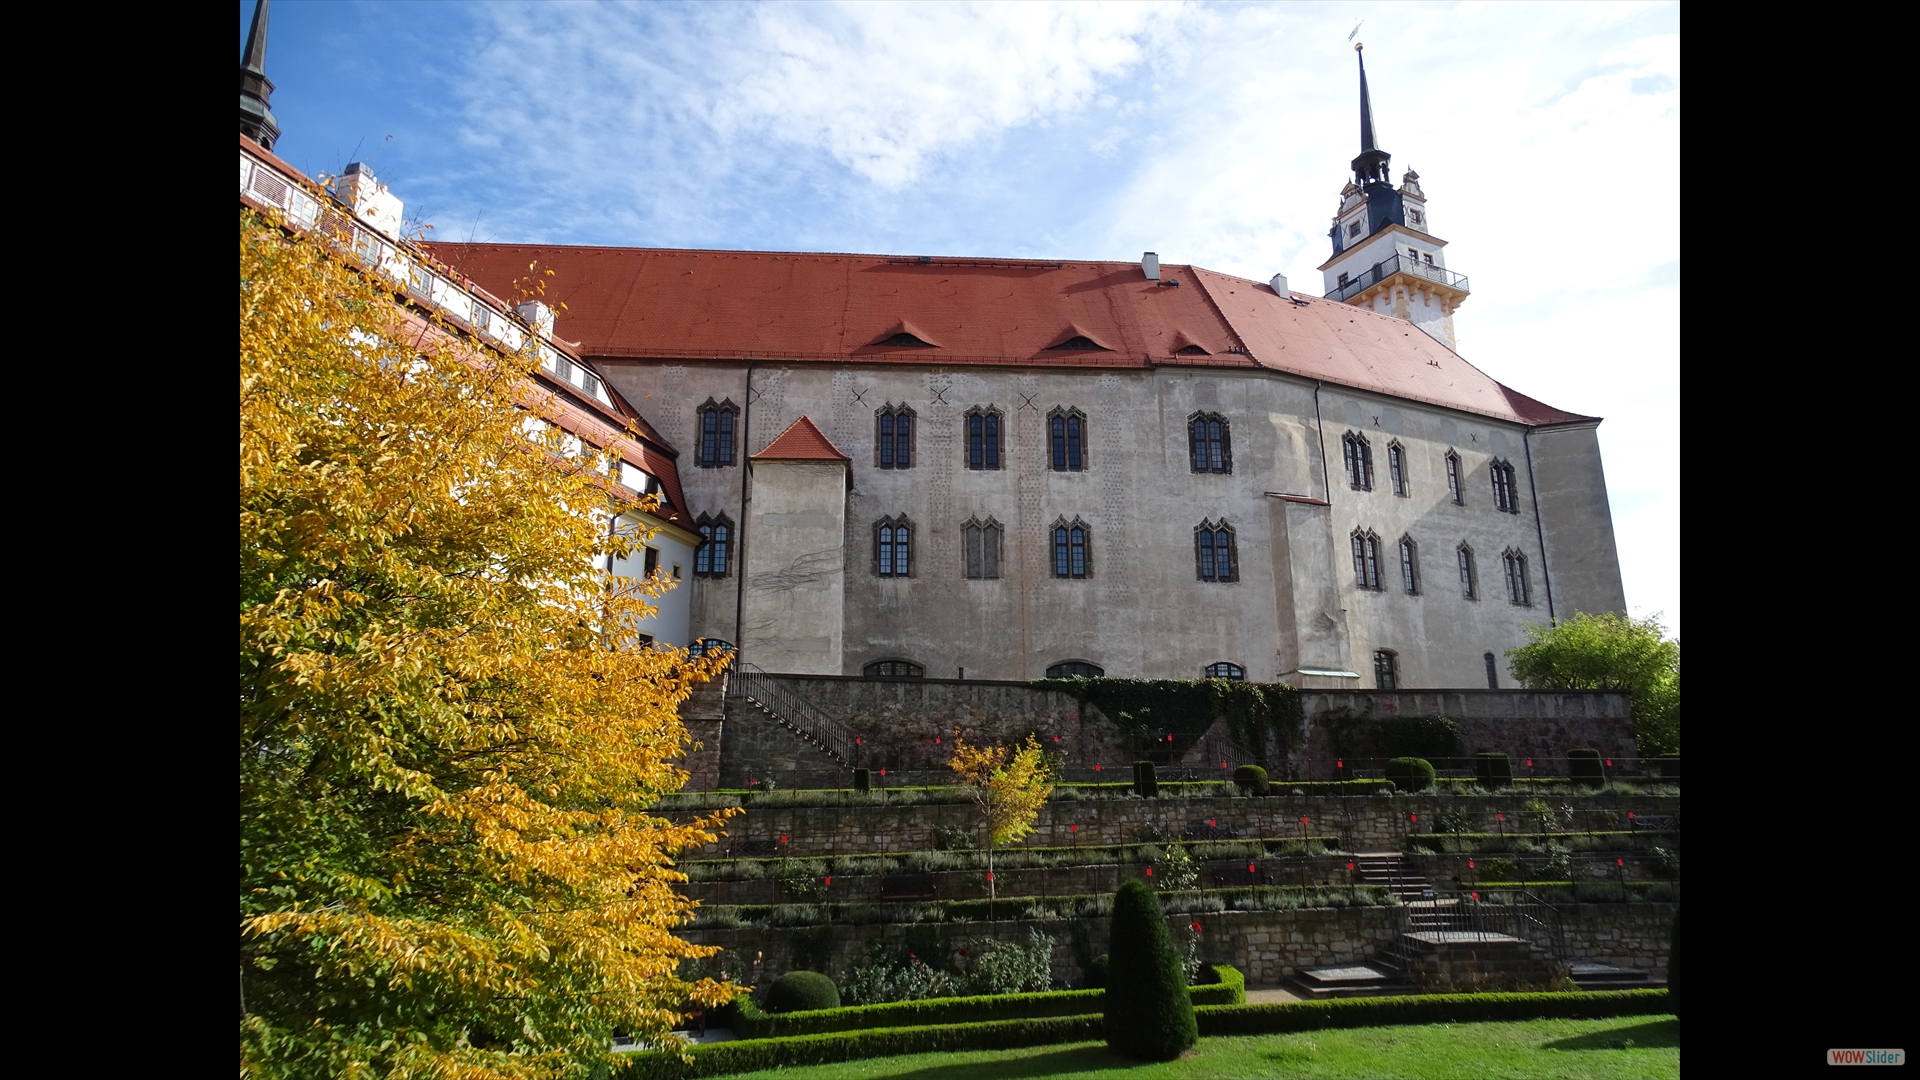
(1592, 976)
(1359, 980)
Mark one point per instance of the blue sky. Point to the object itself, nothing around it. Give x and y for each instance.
(1547, 138)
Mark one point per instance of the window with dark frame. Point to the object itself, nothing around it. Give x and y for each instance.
(650, 563)
(1068, 669)
(1410, 566)
(1366, 560)
(980, 541)
(1493, 673)
(1359, 456)
(1210, 443)
(1506, 496)
(983, 438)
(1386, 676)
(712, 646)
(1216, 555)
(1066, 431)
(1516, 568)
(717, 421)
(1224, 670)
(1469, 587)
(715, 552)
(894, 669)
(1453, 479)
(892, 547)
(1397, 467)
(1071, 557)
(893, 437)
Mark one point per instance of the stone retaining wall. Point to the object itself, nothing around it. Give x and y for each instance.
(1265, 945)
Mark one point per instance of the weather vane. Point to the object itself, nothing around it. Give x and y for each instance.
(1356, 29)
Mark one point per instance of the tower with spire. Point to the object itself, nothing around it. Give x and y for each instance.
(256, 116)
(1385, 256)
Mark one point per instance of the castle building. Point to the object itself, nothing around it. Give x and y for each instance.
(1004, 469)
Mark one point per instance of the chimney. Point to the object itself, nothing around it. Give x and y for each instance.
(372, 203)
(1279, 284)
(1150, 262)
(538, 315)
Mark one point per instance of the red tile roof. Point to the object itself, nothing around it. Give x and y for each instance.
(802, 441)
(797, 307)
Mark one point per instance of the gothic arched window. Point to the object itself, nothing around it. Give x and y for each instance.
(1454, 487)
(1210, 443)
(1386, 669)
(893, 547)
(1216, 556)
(1067, 439)
(980, 541)
(893, 437)
(983, 437)
(1516, 568)
(1506, 496)
(1366, 560)
(715, 552)
(1359, 457)
(1410, 565)
(1469, 583)
(717, 421)
(1072, 557)
(1397, 468)
(1493, 672)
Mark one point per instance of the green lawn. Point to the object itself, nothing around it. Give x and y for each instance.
(1628, 1047)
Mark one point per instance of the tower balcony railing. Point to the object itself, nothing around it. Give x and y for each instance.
(1398, 264)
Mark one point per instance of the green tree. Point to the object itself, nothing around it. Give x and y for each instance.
(450, 737)
(1607, 652)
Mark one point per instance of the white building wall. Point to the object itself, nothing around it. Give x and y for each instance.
(671, 623)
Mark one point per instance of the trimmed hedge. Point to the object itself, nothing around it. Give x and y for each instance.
(1673, 967)
(1279, 1018)
(1251, 779)
(1229, 989)
(748, 1055)
(1410, 773)
(1148, 1013)
(802, 991)
(751, 1055)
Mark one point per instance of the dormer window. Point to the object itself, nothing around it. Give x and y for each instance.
(1353, 229)
(1079, 341)
(1413, 216)
(1191, 350)
(906, 341)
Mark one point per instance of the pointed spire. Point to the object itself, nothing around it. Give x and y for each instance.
(1371, 165)
(256, 116)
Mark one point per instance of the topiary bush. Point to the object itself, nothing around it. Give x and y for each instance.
(802, 991)
(1149, 1015)
(1492, 769)
(1583, 767)
(1410, 773)
(1250, 779)
(1673, 967)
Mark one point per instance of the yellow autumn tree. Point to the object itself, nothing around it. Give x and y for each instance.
(1009, 785)
(450, 737)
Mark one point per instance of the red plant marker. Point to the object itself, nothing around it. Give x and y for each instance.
(1609, 763)
(1209, 823)
(1529, 763)
(1303, 821)
(1073, 828)
(1223, 764)
(1629, 815)
(1500, 817)
(856, 740)
(783, 838)
(989, 875)
(883, 772)
(1339, 763)
(1469, 864)
(829, 880)
(1149, 871)
(1249, 868)
(1476, 896)
(1413, 817)
(1619, 862)
(1096, 766)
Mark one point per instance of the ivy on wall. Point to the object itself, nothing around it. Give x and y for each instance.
(1145, 708)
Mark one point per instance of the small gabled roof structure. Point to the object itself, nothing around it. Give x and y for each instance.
(802, 441)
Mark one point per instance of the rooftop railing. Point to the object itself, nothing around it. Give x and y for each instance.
(1398, 264)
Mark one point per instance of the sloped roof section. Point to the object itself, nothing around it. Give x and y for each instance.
(656, 303)
(802, 441)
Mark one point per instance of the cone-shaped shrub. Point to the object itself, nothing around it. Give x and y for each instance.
(1149, 1015)
(1410, 773)
(1251, 779)
(1673, 968)
(801, 991)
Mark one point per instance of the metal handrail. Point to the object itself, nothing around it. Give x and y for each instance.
(1398, 264)
(750, 682)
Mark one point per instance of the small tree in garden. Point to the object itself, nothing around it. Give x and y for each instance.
(1009, 785)
(1149, 1015)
